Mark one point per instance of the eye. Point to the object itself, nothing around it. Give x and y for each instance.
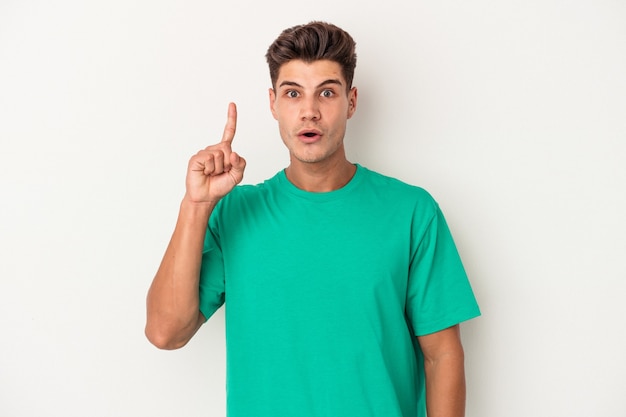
(292, 93)
(327, 93)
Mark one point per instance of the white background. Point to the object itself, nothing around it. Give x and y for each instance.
(511, 113)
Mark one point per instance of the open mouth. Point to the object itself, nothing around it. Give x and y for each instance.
(309, 136)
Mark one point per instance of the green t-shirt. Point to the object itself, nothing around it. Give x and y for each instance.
(325, 293)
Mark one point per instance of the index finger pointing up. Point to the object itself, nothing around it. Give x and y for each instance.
(231, 124)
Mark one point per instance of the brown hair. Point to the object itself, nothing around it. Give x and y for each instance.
(312, 42)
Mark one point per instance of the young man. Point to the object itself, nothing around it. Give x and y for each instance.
(344, 287)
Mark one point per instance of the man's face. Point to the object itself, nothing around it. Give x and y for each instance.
(312, 108)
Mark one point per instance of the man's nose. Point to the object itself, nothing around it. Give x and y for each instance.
(310, 109)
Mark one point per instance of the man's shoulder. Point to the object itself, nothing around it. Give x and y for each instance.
(387, 184)
(251, 192)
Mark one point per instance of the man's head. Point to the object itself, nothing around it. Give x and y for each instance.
(313, 42)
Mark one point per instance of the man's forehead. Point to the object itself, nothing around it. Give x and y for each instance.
(309, 74)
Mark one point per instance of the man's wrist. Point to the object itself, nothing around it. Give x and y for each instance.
(191, 210)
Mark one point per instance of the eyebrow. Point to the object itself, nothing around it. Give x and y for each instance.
(322, 84)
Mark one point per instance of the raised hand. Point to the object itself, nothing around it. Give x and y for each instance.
(214, 171)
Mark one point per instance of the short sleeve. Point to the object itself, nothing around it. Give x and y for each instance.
(439, 293)
(212, 284)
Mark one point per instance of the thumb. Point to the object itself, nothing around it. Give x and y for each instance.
(238, 165)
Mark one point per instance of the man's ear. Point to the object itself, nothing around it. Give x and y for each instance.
(272, 94)
(352, 99)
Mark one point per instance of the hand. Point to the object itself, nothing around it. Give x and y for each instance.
(216, 170)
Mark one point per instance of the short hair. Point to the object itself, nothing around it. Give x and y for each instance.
(312, 42)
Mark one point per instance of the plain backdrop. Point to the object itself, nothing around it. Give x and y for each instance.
(511, 113)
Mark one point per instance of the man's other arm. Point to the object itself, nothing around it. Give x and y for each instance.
(445, 373)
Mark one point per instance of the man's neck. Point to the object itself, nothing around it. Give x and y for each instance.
(320, 177)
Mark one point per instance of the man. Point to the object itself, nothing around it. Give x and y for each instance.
(344, 288)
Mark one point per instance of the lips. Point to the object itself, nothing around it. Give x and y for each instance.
(309, 135)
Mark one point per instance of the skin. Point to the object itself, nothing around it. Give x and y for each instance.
(312, 104)
(313, 98)
(173, 314)
(445, 373)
